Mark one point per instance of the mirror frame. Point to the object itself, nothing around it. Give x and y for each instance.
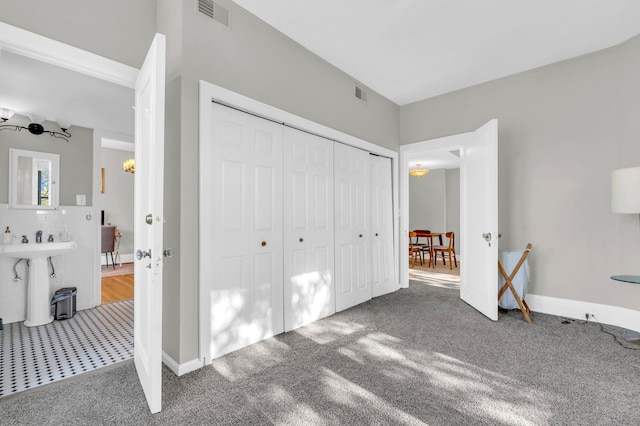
(53, 176)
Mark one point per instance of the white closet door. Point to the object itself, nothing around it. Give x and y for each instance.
(241, 224)
(308, 228)
(382, 258)
(352, 213)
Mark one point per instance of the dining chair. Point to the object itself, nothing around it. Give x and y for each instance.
(449, 249)
(108, 240)
(414, 250)
(426, 246)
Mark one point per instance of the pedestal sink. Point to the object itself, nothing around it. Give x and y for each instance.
(38, 300)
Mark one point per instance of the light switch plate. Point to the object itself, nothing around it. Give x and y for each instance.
(81, 200)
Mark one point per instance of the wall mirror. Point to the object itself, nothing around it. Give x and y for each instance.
(33, 180)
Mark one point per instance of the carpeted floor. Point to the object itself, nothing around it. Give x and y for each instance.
(417, 356)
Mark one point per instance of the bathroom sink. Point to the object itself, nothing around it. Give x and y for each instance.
(38, 287)
(33, 250)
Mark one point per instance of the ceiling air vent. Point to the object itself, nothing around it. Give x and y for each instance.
(361, 94)
(214, 11)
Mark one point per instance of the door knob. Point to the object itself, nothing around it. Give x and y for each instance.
(360, 235)
(487, 237)
(301, 239)
(142, 254)
(168, 252)
(264, 243)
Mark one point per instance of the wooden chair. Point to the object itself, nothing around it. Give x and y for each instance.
(449, 249)
(108, 241)
(414, 250)
(424, 247)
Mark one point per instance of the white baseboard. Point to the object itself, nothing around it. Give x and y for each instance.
(181, 369)
(604, 314)
(124, 258)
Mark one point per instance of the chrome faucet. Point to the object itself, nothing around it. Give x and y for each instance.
(50, 238)
(25, 240)
(39, 237)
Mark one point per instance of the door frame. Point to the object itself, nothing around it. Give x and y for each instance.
(450, 143)
(44, 49)
(210, 92)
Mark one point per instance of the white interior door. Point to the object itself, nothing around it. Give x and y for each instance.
(352, 217)
(308, 228)
(148, 223)
(241, 230)
(479, 221)
(382, 254)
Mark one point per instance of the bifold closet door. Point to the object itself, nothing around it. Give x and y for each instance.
(383, 260)
(308, 228)
(352, 217)
(241, 229)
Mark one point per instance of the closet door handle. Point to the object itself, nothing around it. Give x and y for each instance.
(301, 239)
(376, 234)
(360, 235)
(264, 243)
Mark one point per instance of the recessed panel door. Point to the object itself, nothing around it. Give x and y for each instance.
(352, 226)
(479, 221)
(148, 222)
(382, 256)
(308, 228)
(241, 229)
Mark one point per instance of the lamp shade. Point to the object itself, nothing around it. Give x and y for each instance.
(625, 190)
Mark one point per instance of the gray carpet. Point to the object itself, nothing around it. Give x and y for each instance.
(418, 356)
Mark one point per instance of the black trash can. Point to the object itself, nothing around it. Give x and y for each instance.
(65, 302)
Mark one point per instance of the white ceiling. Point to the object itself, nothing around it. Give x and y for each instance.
(408, 50)
(28, 86)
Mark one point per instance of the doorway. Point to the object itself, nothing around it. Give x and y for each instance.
(478, 212)
(108, 325)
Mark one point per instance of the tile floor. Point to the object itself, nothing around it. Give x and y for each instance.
(93, 338)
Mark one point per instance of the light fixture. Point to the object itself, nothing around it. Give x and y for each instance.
(35, 127)
(418, 172)
(129, 165)
(625, 190)
(6, 113)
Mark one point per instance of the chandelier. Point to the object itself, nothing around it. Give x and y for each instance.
(418, 172)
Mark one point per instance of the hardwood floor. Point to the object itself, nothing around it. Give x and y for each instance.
(117, 288)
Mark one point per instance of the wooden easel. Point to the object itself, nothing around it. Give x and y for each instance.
(508, 284)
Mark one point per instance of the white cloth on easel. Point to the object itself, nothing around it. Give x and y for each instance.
(509, 260)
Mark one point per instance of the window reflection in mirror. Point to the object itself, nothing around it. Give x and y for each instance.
(32, 179)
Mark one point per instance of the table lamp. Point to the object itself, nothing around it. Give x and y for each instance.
(625, 190)
(625, 198)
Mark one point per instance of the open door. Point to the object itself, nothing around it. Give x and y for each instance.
(479, 219)
(148, 222)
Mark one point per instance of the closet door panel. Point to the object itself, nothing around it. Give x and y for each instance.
(351, 177)
(308, 229)
(383, 259)
(241, 229)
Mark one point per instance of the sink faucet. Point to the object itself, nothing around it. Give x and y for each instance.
(39, 237)
(25, 240)
(50, 238)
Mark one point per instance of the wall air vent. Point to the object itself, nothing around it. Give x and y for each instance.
(214, 11)
(361, 94)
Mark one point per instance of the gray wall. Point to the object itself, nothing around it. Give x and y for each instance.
(427, 198)
(117, 199)
(253, 59)
(117, 29)
(562, 129)
(75, 158)
(434, 202)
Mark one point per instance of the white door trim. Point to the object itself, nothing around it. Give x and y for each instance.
(209, 92)
(35, 46)
(448, 143)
